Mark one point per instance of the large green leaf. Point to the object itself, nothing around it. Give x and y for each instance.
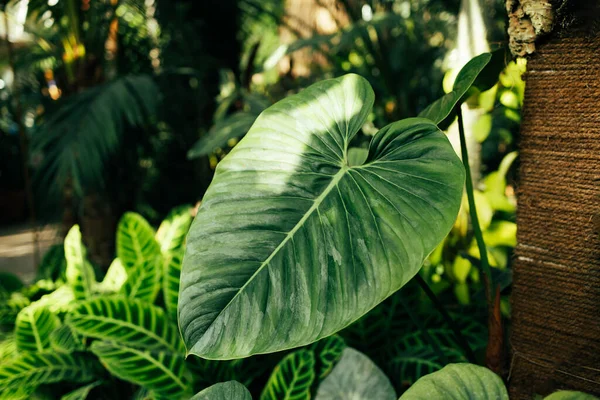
(126, 321)
(292, 377)
(135, 240)
(33, 369)
(355, 377)
(458, 381)
(172, 231)
(170, 282)
(143, 281)
(161, 372)
(231, 390)
(291, 244)
(33, 327)
(80, 274)
(440, 109)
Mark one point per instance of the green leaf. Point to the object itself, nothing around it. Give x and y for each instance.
(173, 230)
(231, 127)
(159, 371)
(135, 240)
(327, 353)
(10, 307)
(144, 280)
(80, 274)
(33, 369)
(440, 109)
(357, 156)
(126, 321)
(64, 340)
(355, 377)
(171, 272)
(8, 348)
(114, 279)
(292, 377)
(53, 265)
(231, 390)
(570, 395)
(458, 381)
(81, 393)
(291, 244)
(59, 301)
(33, 327)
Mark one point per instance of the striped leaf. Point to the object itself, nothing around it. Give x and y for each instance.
(327, 353)
(8, 348)
(33, 327)
(143, 394)
(33, 369)
(80, 274)
(144, 280)
(126, 321)
(10, 308)
(135, 240)
(114, 279)
(355, 377)
(170, 282)
(231, 390)
(65, 340)
(173, 230)
(161, 372)
(81, 393)
(292, 377)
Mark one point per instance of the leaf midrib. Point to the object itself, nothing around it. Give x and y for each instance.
(317, 202)
(129, 325)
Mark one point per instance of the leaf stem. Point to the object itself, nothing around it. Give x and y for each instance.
(485, 265)
(448, 319)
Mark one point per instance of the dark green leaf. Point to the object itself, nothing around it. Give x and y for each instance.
(231, 390)
(292, 378)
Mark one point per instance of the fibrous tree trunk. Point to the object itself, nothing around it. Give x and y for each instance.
(555, 339)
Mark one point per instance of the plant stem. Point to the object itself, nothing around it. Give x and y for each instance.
(485, 265)
(448, 319)
(436, 346)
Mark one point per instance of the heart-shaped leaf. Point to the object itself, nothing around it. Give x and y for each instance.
(458, 381)
(355, 377)
(231, 390)
(292, 244)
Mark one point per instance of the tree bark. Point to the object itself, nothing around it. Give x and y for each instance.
(555, 338)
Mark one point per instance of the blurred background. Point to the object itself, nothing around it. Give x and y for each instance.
(109, 106)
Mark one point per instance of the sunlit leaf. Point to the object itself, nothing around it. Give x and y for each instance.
(143, 281)
(33, 327)
(114, 279)
(126, 321)
(355, 377)
(172, 231)
(80, 274)
(135, 241)
(458, 381)
(231, 390)
(287, 218)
